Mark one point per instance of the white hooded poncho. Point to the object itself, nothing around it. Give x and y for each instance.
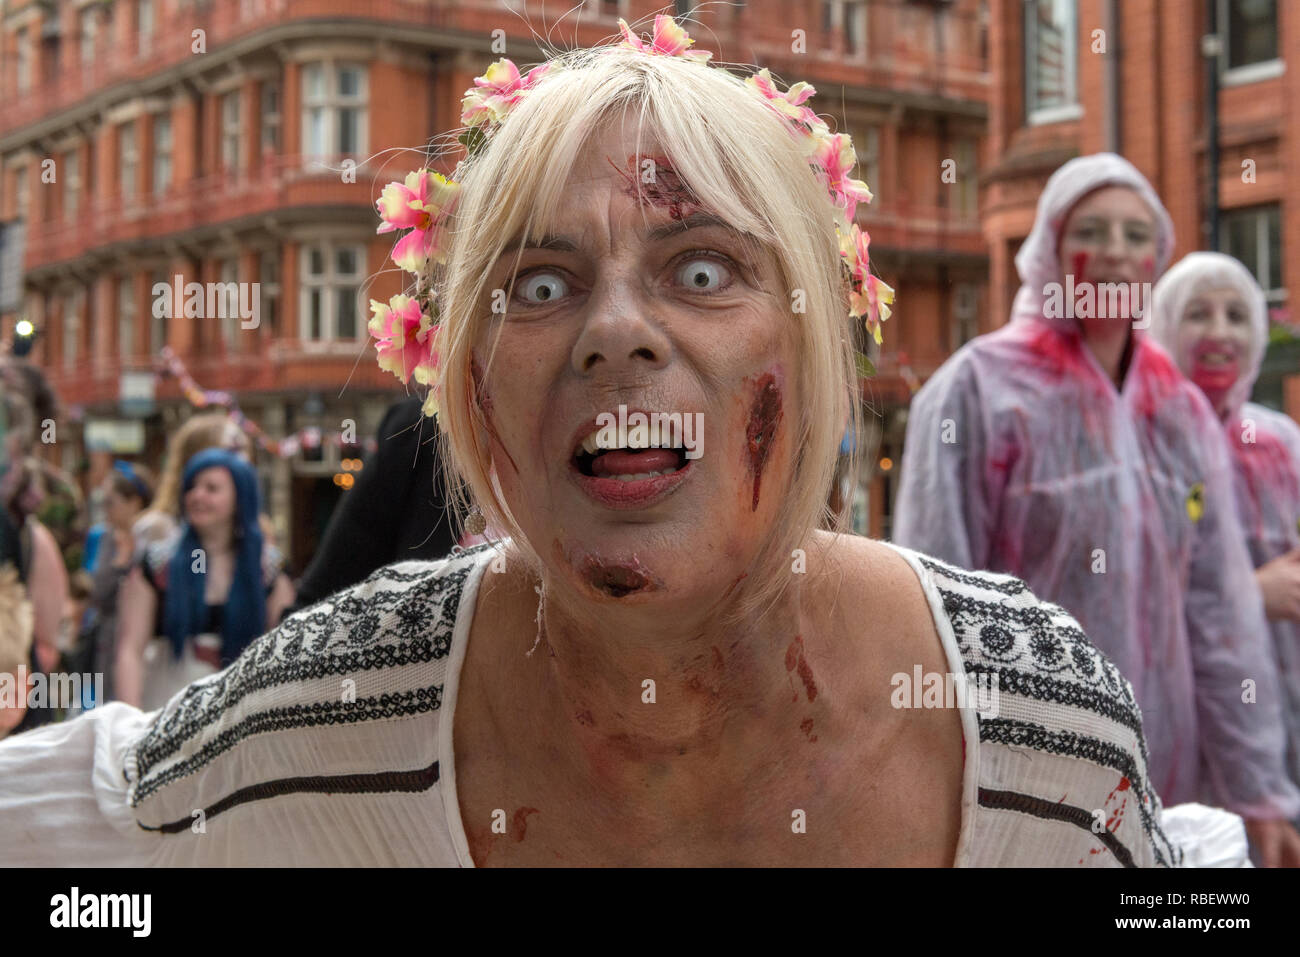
(1022, 456)
(1265, 448)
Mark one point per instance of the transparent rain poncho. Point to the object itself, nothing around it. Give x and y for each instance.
(1021, 456)
(1265, 449)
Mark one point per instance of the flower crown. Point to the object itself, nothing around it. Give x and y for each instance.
(406, 327)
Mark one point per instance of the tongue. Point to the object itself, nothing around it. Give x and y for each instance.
(633, 463)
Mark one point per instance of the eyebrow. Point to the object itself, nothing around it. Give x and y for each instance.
(699, 220)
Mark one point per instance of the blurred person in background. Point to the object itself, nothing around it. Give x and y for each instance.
(1212, 317)
(127, 492)
(40, 564)
(396, 512)
(1066, 448)
(210, 588)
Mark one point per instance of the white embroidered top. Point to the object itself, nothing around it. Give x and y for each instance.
(278, 760)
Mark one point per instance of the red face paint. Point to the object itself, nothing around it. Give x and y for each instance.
(519, 826)
(795, 661)
(806, 726)
(1215, 378)
(764, 416)
(617, 579)
(665, 189)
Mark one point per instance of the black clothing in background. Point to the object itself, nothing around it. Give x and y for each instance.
(395, 512)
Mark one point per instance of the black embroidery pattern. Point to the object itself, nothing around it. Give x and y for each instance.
(1037, 651)
(402, 614)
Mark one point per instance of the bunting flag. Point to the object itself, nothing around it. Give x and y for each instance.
(169, 363)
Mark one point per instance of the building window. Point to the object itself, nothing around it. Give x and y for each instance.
(1051, 93)
(331, 283)
(71, 329)
(71, 185)
(24, 44)
(89, 31)
(231, 133)
(127, 160)
(144, 23)
(1254, 236)
(849, 17)
(965, 314)
(1249, 33)
(866, 143)
(162, 153)
(228, 307)
(270, 118)
(966, 200)
(334, 110)
(125, 317)
(21, 198)
(270, 290)
(158, 313)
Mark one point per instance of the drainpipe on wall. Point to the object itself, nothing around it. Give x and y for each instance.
(1211, 49)
(1114, 127)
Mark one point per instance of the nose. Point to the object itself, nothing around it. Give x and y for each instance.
(1116, 242)
(620, 334)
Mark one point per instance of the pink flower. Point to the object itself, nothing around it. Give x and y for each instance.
(405, 339)
(419, 205)
(496, 92)
(669, 40)
(833, 154)
(869, 296)
(789, 103)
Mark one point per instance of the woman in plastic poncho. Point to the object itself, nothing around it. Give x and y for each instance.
(1210, 314)
(1068, 450)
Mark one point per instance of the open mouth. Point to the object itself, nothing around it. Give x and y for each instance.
(630, 462)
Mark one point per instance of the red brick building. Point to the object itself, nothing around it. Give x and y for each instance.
(1072, 78)
(245, 141)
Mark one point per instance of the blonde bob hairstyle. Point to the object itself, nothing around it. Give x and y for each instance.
(740, 161)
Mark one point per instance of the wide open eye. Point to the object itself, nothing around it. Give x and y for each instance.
(703, 275)
(540, 288)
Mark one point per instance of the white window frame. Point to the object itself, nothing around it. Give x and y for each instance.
(162, 153)
(23, 40)
(126, 315)
(1071, 110)
(228, 271)
(71, 328)
(329, 284)
(88, 32)
(1250, 72)
(232, 132)
(272, 120)
(330, 102)
(1263, 260)
(158, 324)
(128, 158)
(144, 26)
(71, 185)
(836, 9)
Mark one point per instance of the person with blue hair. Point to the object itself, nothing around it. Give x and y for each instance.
(207, 590)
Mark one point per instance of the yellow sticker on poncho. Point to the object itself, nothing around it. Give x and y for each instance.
(1196, 502)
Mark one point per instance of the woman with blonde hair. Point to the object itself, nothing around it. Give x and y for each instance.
(643, 370)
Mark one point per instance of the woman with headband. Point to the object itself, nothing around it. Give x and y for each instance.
(629, 313)
(1066, 448)
(1210, 314)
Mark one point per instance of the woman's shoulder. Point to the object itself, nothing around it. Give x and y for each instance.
(1060, 730)
(371, 658)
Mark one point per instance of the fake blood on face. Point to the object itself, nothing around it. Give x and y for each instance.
(665, 189)
(795, 661)
(764, 416)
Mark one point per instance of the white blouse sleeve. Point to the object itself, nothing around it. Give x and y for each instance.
(63, 794)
